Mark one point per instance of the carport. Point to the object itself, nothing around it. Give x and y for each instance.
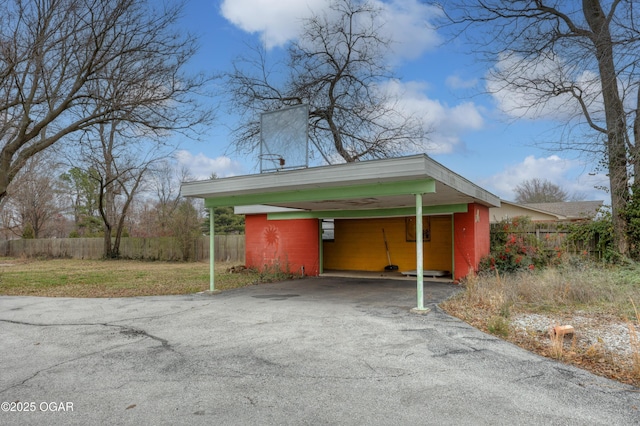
(405, 187)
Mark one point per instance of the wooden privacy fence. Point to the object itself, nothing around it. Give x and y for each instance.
(227, 248)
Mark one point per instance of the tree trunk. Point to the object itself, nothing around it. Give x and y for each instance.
(615, 118)
(103, 208)
(5, 166)
(108, 252)
(635, 153)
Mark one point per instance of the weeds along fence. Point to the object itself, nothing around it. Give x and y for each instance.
(551, 236)
(226, 248)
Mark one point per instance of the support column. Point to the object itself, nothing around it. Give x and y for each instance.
(419, 258)
(212, 257)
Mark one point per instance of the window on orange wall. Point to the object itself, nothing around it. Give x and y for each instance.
(410, 225)
(328, 227)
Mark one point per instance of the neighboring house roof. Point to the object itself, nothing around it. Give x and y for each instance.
(509, 210)
(572, 210)
(547, 212)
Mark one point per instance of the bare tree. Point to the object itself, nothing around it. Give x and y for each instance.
(579, 58)
(162, 212)
(166, 185)
(539, 191)
(119, 163)
(171, 214)
(186, 224)
(58, 59)
(33, 200)
(337, 66)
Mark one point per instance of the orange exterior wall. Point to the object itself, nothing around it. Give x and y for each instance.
(458, 242)
(471, 236)
(359, 245)
(286, 244)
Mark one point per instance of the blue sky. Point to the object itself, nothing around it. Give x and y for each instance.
(475, 135)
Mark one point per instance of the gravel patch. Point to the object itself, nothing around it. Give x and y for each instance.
(611, 334)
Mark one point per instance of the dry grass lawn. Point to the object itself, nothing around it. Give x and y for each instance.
(114, 278)
(599, 302)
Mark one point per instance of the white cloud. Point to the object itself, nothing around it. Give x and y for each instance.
(446, 123)
(276, 21)
(567, 174)
(457, 82)
(280, 21)
(408, 26)
(202, 167)
(531, 83)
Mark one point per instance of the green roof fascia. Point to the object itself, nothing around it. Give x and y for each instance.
(422, 186)
(358, 214)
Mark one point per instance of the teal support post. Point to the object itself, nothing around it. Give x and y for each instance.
(212, 256)
(419, 253)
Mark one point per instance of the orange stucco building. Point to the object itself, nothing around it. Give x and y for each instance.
(358, 244)
(410, 212)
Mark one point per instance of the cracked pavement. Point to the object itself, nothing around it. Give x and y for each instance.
(311, 351)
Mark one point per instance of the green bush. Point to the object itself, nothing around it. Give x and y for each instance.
(28, 232)
(498, 326)
(598, 232)
(632, 216)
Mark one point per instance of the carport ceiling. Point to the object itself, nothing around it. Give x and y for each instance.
(367, 185)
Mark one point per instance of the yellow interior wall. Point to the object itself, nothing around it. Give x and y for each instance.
(359, 245)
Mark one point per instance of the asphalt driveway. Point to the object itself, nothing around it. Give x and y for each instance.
(312, 351)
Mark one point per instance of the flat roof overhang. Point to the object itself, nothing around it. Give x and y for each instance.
(376, 186)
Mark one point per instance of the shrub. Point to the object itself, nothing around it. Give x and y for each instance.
(597, 233)
(28, 232)
(513, 249)
(275, 272)
(498, 326)
(632, 216)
